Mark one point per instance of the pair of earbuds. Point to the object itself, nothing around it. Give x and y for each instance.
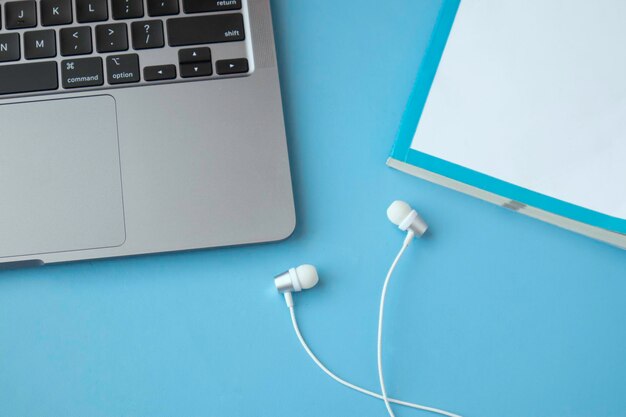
(305, 277)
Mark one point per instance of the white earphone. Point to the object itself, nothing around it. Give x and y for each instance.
(297, 279)
(407, 219)
(305, 277)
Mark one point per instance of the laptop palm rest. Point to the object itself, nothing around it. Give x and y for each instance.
(60, 180)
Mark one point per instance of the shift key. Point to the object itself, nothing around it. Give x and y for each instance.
(197, 30)
(85, 72)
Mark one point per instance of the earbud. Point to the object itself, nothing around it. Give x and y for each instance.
(407, 219)
(297, 279)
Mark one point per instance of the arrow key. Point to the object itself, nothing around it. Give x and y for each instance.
(232, 66)
(186, 56)
(198, 69)
(159, 72)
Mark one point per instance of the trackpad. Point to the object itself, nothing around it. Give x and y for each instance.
(60, 181)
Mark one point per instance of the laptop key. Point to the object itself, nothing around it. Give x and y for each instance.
(197, 69)
(201, 54)
(122, 69)
(84, 72)
(75, 41)
(147, 34)
(162, 7)
(231, 66)
(159, 72)
(40, 44)
(111, 38)
(205, 29)
(20, 14)
(127, 9)
(26, 78)
(198, 6)
(56, 12)
(10, 47)
(91, 10)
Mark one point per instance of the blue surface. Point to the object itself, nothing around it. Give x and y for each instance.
(494, 314)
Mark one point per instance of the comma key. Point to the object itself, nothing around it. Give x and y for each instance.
(75, 41)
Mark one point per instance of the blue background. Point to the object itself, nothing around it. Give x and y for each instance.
(493, 314)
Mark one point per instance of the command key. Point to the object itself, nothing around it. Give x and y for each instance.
(85, 72)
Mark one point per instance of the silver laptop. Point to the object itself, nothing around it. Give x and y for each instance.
(139, 126)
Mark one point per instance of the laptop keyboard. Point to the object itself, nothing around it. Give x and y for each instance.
(48, 45)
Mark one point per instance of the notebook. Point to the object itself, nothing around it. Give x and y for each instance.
(523, 103)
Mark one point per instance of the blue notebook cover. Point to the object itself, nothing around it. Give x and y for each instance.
(516, 195)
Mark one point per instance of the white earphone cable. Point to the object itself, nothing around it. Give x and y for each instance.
(352, 386)
(381, 314)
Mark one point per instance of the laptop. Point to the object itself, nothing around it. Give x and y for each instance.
(139, 126)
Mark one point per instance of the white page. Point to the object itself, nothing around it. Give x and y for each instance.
(533, 92)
